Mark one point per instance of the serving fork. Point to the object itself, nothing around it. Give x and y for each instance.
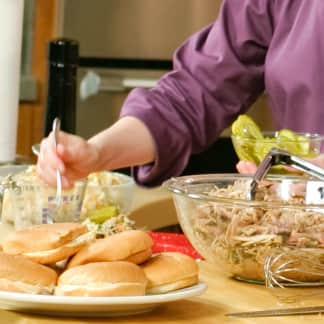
(58, 196)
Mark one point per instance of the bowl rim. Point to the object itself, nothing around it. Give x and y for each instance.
(127, 180)
(272, 135)
(179, 186)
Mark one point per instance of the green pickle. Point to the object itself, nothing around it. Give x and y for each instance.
(102, 214)
(262, 148)
(299, 144)
(251, 145)
(245, 127)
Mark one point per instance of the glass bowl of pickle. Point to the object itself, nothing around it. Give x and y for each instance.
(252, 144)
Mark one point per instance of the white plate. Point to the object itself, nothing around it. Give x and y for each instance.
(92, 306)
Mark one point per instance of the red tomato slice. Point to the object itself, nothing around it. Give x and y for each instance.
(173, 242)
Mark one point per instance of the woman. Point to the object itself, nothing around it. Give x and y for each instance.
(254, 46)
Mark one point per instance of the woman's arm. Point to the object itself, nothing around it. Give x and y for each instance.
(126, 143)
(218, 73)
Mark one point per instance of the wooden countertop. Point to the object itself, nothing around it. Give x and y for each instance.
(224, 295)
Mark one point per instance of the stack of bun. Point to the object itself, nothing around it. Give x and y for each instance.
(118, 265)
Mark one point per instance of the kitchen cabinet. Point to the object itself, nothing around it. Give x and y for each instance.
(30, 118)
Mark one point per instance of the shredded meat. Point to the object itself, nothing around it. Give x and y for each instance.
(236, 232)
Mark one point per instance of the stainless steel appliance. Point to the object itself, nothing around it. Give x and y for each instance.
(145, 29)
(125, 44)
(129, 43)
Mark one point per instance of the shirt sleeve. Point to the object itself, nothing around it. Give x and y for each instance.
(217, 74)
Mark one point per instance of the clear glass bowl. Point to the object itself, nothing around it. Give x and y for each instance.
(105, 189)
(239, 236)
(304, 145)
(5, 170)
(33, 202)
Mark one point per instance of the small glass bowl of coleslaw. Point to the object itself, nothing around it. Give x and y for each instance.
(105, 189)
(102, 201)
(254, 240)
(107, 202)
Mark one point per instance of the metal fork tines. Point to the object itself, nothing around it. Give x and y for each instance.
(56, 129)
(277, 156)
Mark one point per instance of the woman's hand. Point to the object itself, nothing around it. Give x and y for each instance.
(74, 157)
(246, 167)
(126, 143)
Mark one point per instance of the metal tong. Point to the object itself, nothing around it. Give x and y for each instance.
(277, 156)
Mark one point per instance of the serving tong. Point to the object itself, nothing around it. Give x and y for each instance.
(281, 157)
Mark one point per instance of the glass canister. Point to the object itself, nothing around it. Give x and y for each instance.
(33, 202)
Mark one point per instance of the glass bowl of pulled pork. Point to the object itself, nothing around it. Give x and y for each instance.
(240, 235)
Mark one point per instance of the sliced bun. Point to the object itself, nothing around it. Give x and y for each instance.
(48, 243)
(169, 271)
(139, 257)
(19, 274)
(133, 245)
(119, 278)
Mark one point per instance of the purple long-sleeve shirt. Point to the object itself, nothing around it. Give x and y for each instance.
(254, 45)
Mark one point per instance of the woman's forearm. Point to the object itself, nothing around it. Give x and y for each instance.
(127, 143)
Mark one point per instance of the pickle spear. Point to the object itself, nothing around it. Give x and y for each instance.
(245, 131)
(100, 215)
(244, 126)
(294, 143)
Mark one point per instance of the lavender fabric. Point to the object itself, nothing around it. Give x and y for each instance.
(275, 46)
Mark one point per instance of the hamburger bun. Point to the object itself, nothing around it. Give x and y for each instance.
(169, 271)
(119, 278)
(133, 246)
(19, 274)
(48, 243)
